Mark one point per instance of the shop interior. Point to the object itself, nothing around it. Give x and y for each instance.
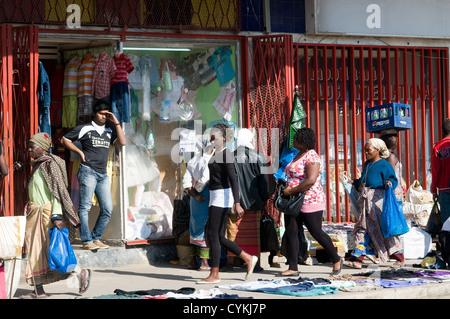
(177, 89)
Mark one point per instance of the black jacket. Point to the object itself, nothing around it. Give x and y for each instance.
(254, 187)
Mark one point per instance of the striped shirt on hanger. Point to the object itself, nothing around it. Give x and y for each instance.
(86, 75)
(71, 76)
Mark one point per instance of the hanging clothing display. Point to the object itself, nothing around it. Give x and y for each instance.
(43, 95)
(148, 66)
(120, 93)
(134, 78)
(103, 72)
(225, 101)
(56, 95)
(137, 85)
(70, 91)
(85, 79)
(221, 63)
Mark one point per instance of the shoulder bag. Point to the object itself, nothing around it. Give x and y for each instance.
(289, 205)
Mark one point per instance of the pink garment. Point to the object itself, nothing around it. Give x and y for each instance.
(3, 294)
(295, 171)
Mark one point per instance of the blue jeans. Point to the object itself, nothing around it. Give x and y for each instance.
(44, 120)
(92, 183)
(120, 101)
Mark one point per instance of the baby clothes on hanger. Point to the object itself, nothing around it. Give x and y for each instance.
(120, 93)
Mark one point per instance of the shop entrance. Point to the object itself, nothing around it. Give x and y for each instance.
(177, 89)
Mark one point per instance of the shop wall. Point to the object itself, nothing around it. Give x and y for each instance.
(285, 16)
(338, 82)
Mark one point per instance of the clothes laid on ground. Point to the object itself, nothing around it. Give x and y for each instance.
(182, 293)
(302, 287)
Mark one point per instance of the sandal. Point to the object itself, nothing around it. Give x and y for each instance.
(87, 281)
(352, 264)
(373, 259)
(398, 264)
(32, 295)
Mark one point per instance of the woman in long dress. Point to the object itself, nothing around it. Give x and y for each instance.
(377, 174)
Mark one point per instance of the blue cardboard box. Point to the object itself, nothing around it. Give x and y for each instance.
(388, 116)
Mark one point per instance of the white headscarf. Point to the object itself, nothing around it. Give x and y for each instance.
(379, 144)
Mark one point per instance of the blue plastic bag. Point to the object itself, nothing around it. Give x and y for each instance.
(393, 221)
(61, 256)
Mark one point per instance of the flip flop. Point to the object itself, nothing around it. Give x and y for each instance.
(202, 282)
(294, 274)
(86, 280)
(32, 295)
(351, 264)
(254, 261)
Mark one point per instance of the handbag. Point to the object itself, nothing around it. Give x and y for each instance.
(434, 223)
(289, 205)
(393, 221)
(61, 256)
(268, 233)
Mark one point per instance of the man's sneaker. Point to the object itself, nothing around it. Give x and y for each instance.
(100, 245)
(90, 246)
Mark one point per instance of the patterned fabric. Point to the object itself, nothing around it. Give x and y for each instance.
(295, 171)
(37, 238)
(103, 73)
(53, 168)
(399, 189)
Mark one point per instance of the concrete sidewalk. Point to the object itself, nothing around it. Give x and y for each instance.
(132, 269)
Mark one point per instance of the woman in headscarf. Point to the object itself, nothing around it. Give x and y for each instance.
(195, 183)
(49, 206)
(369, 241)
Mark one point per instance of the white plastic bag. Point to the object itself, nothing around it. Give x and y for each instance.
(417, 243)
(417, 195)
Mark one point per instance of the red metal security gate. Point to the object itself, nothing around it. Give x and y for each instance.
(18, 111)
(25, 107)
(270, 89)
(336, 85)
(6, 110)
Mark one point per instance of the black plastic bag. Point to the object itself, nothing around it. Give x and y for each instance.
(181, 215)
(268, 234)
(434, 224)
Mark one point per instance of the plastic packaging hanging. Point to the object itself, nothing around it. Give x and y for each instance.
(393, 221)
(61, 256)
(352, 193)
(167, 78)
(164, 111)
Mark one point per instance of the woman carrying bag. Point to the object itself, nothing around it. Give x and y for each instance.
(376, 176)
(224, 195)
(303, 175)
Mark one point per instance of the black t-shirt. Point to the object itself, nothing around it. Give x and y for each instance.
(95, 143)
(222, 173)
